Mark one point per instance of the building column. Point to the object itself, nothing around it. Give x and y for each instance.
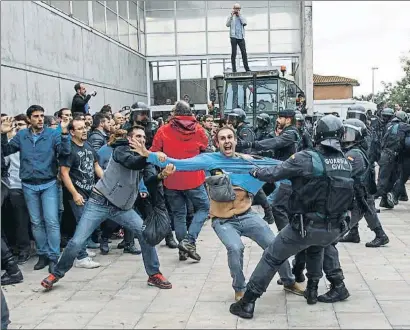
(307, 54)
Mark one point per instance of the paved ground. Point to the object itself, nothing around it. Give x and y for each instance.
(117, 296)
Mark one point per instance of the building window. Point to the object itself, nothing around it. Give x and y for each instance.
(142, 43)
(141, 19)
(124, 33)
(63, 6)
(190, 20)
(133, 13)
(160, 44)
(159, 5)
(218, 67)
(80, 10)
(133, 38)
(257, 18)
(284, 18)
(217, 19)
(191, 5)
(112, 25)
(193, 81)
(292, 44)
(219, 43)
(112, 5)
(191, 43)
(160, 21)
(123, 9)
(165, 83)
(98, 17)
(256, 42)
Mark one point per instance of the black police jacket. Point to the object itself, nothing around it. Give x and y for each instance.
(246, 137)
(329, 192)
(283, 146)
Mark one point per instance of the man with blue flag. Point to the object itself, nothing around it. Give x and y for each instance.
(231, 189)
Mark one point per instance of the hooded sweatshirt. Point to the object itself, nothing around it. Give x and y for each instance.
(183, 137)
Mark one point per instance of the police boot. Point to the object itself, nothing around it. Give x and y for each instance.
(13, 273)
(380, 239)
(337, 292)
(403, 197)
(391, 200)
(352, 236)
(311, 292)
(298, 272)
(268, 215)
(384, 203)
(245, 307)
(104, 248)
(170, 241)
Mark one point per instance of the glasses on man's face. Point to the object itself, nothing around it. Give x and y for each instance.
(237, 8)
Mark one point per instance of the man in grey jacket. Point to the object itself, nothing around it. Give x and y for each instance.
(236, 23)
(113, 197)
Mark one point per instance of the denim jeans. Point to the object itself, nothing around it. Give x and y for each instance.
(252, 226)
(60, 203)
(78, 212)
(43, 209)
(178, 205)
(96, 210)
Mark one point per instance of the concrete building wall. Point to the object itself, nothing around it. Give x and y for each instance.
(332, 92)
(44, 54)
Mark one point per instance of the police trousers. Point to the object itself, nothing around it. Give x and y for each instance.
(370, 215)
(399, 188)
(288, 242)
(387, 172)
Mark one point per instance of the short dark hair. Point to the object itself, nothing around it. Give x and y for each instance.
(78, 114)
(60, 112)
(70, 126)
(106, 108)
(77, 86)
(48, 120)
(32, 109)
(87, 114)
(4, 115)
(204, 118)
(20, 117)
(223, 128)
(133, 128)
(97, 119)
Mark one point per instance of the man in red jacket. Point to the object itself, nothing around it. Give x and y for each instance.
(183, 137)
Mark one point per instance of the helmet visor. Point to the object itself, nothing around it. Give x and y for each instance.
(232, 118)
(350, 133)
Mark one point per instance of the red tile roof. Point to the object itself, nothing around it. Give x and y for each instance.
(319, 80)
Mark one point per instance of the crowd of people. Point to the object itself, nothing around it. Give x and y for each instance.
(73, 180)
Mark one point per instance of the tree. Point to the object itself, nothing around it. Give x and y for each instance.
(398, 93)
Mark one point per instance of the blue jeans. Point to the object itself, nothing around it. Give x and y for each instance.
(178, 204)
(78, 212)
(252, 226)
(96, 210)
(43, 209)
(61, 202)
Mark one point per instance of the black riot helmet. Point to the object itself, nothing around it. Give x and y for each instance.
(327, 128)
(140, 108)
(236, 117)
(401, 115)
(354, 132)
(317, 115)
(387, 114)
(263, 120)
(300, 120)
(358, 112)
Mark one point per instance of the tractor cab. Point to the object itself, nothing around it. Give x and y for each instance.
(267, 90)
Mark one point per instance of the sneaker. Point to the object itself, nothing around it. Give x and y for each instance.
(23, 257)
(159, 281)
(132, 249)
(41, 263)
(49, 281)
(90, 253)
(86, 263)
(295, 288)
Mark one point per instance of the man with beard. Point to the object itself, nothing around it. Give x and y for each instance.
(232, 218)
(80, 99)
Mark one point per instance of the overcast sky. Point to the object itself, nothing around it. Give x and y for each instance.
(352, 36)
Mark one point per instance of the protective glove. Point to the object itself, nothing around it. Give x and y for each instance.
(244, 144)
(254, 172)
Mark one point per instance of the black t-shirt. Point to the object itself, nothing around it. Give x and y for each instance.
(81, 163)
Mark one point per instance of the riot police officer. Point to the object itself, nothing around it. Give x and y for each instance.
(323, 191)
(355, 132)
(140, 115)
(398, 192)
(392, 143)
(263, 129)
(283, 146)
(237, 118)
(365, 143)
(306, 138)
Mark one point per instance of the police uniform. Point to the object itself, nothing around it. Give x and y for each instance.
(322, 193)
